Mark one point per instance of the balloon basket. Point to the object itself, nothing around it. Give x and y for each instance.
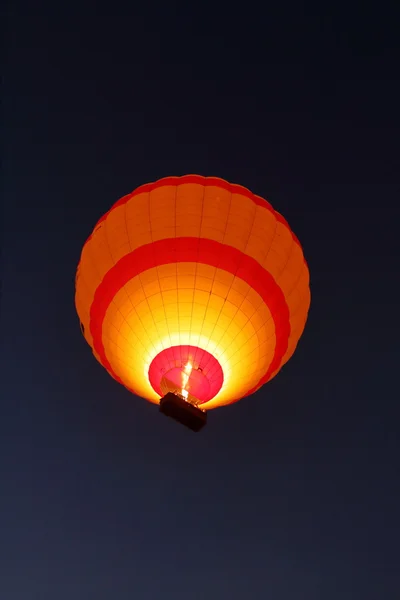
(180, 409)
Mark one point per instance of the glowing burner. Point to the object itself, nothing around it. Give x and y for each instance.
(191, 371)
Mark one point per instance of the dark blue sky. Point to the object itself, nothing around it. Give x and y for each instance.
(293, 493)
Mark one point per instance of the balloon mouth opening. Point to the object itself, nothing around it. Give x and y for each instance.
(189, 370)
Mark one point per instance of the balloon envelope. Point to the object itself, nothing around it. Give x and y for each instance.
(196, 283)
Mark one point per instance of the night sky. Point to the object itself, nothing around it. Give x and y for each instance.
(293, 493)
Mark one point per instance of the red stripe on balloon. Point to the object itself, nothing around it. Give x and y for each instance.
(200, 250)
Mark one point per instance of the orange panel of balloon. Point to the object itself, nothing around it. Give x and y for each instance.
(194, 291)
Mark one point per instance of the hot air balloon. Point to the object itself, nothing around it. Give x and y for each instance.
(192, 293)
